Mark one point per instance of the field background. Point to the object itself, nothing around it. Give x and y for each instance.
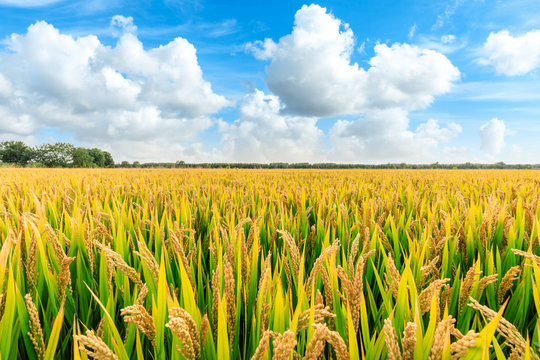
(230, 264)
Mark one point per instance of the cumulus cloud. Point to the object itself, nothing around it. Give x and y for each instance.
(384, 135)
(5, 87)
(117, 97)
(124, 24)
(311, 71)
(263, 134)
(492, 136)
(262, 50)
(154, 104)
(408, 76)
(511, 55)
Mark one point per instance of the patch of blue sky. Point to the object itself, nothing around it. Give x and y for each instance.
(52, 135)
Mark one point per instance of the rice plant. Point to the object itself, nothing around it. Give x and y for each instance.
(261, 264)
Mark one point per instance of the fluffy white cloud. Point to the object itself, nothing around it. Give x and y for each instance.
(407, 76)
(511, 55)
(153, 104)
(492, 136)
(104, 95)
(311, 70)
(262, 50)
(431, 130)
(384, 135)
(123, 23)
(263, 134)
(5, 88)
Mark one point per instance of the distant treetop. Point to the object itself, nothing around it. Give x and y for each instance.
(67, 155)
(53, 155)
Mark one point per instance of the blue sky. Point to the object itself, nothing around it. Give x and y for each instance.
(343, 81)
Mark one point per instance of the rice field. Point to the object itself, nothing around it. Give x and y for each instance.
(261, 264)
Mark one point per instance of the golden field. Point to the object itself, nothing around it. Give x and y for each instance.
(262, 264)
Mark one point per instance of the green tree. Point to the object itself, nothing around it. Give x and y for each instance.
(55, 155)
(98, 158)
(15, 152)
(109, 161)
(82, 158)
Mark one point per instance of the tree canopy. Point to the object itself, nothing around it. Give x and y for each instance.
(53, 155)
(67, 155)
(16, 152)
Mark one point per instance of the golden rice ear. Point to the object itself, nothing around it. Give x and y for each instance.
(64, 278)
(181, 330)
(442, 333)
(284, 345)
(507, 282)
(137, 314)
(36, 332)
(230, 295)
(466, 286)
(94, 347)
(205, 325)
(505, 328)
(391, 341)
(460, 347)
(146, 255)
(393, 277)
(409, 341)
(261, 349)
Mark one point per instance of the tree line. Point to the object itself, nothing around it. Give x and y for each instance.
(305, 165)
(53, 155)
(67, 155)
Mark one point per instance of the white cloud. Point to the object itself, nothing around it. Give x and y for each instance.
(445, 44)
(5, 88)
(511, 55)
(450, 10)
(108, 96)
(412, 31)
(310, 69)
(432, 130)
(384, 135)
(262, 50)
(517, 149)
(311, 72)
(448, 39)
(154, 104)
(263, 134)
(492, 136)
(125, 24)
(408, 76)
(27, 3)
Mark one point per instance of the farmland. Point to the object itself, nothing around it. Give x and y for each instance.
(240, 264)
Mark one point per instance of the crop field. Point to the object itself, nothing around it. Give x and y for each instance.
(261, 264)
